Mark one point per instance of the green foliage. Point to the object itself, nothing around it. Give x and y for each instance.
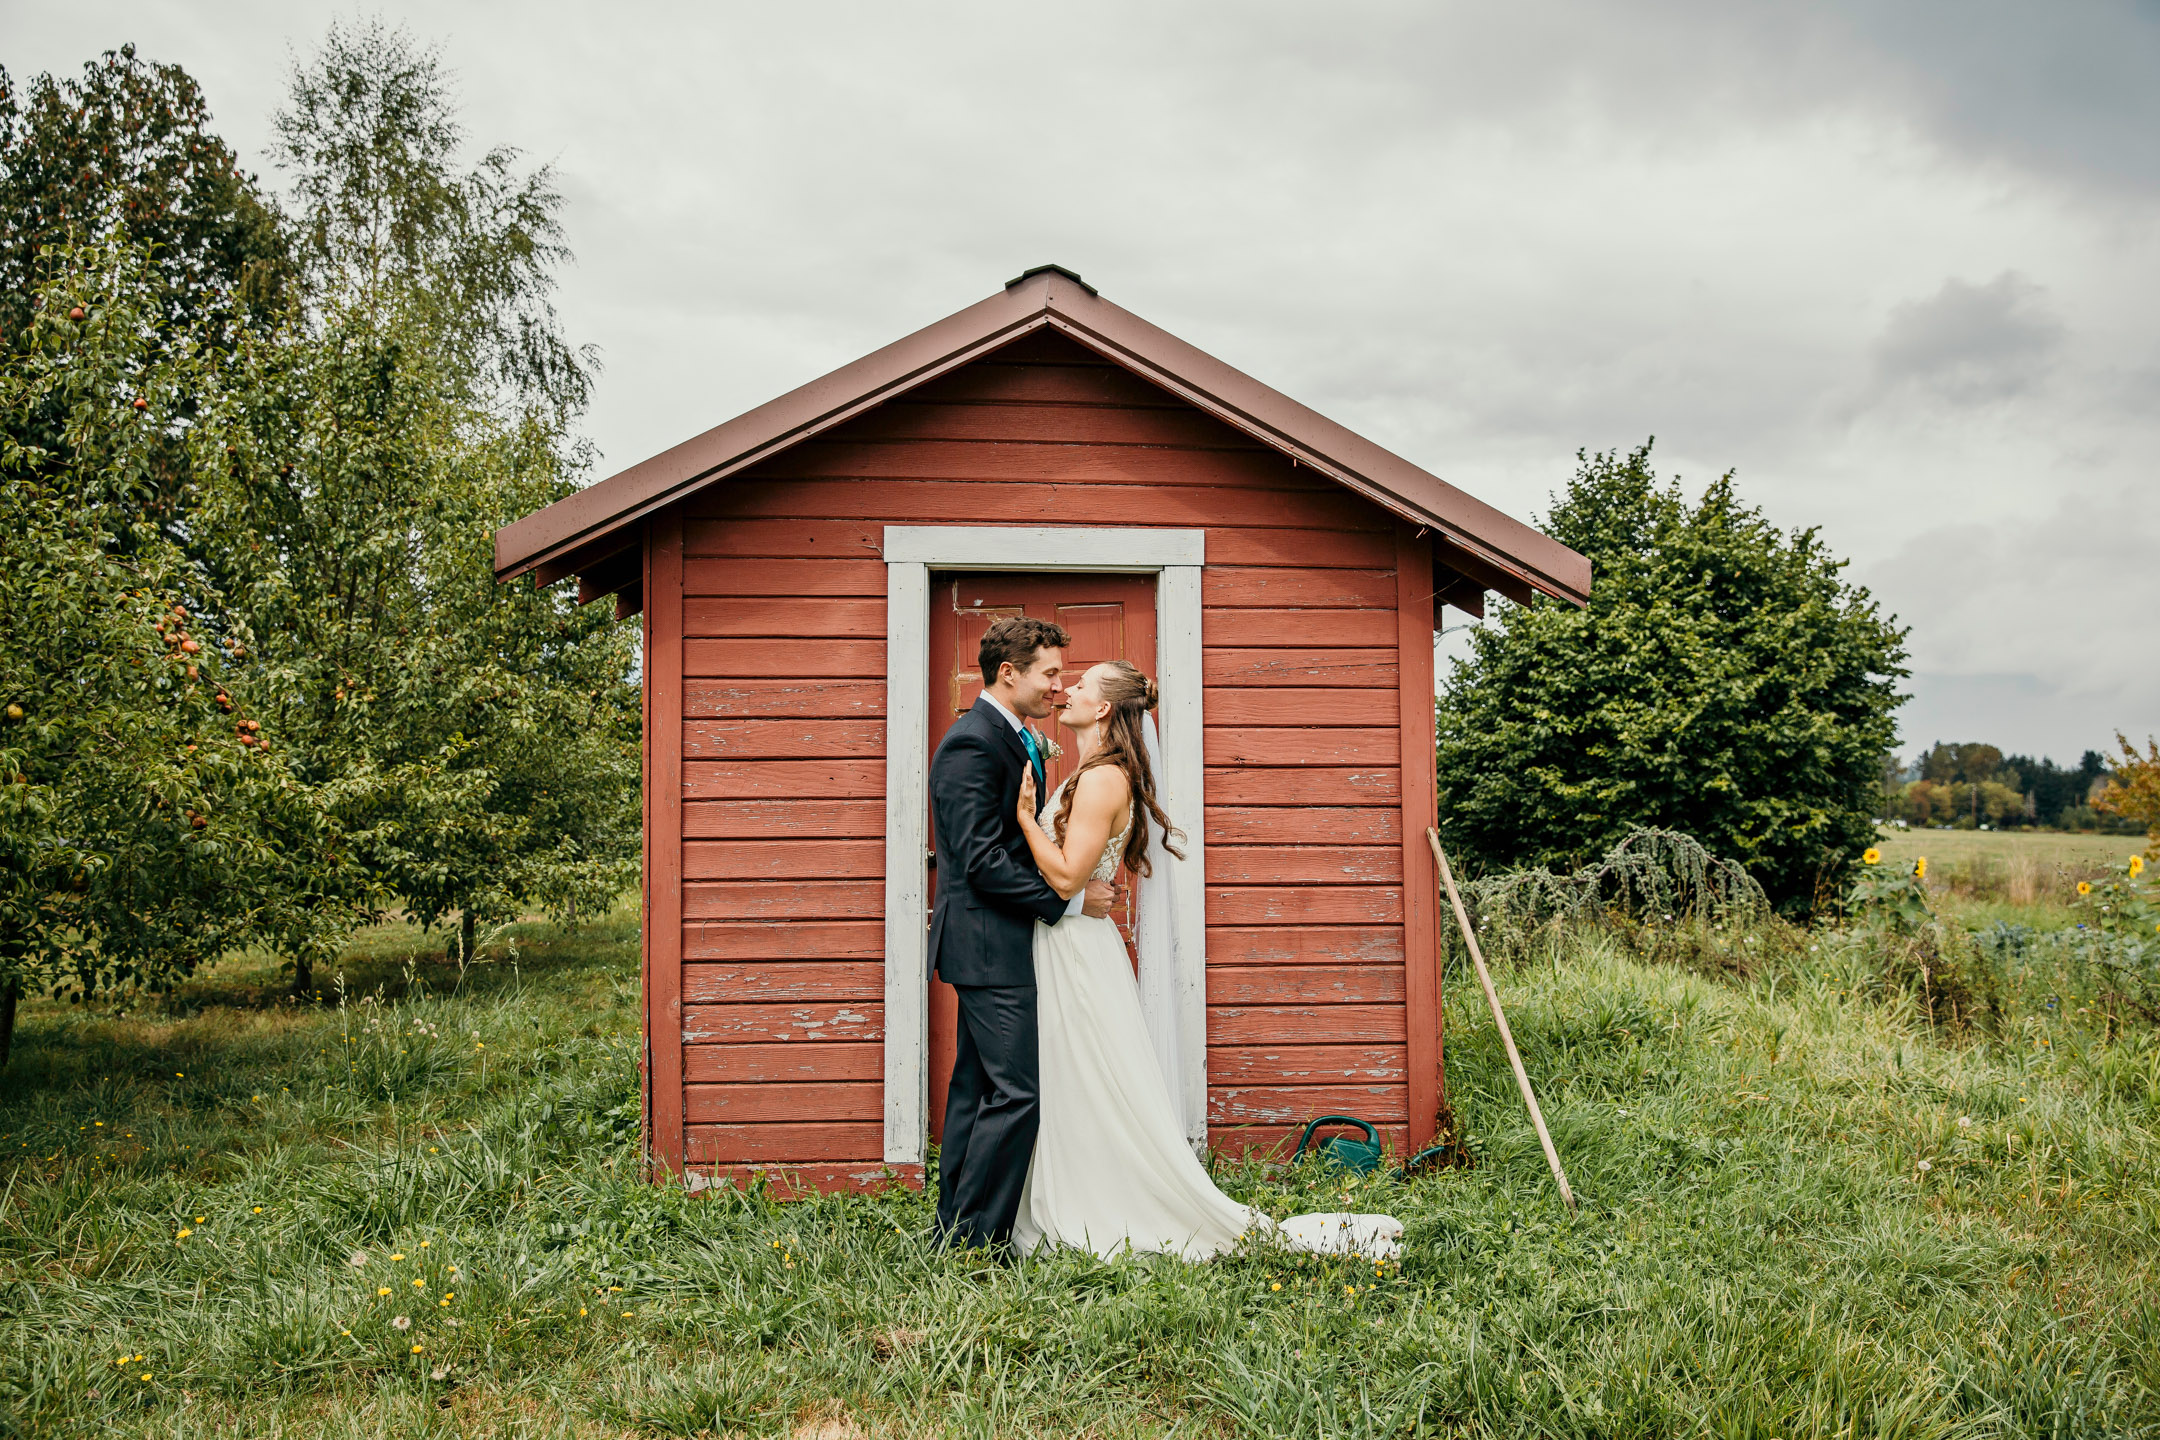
(128, 147)
(1723, 682)
(140, 803)
(1890, 895)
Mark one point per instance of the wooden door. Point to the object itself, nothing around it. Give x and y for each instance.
(1110, 617)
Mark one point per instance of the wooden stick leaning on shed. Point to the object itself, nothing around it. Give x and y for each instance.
(1507, 1039)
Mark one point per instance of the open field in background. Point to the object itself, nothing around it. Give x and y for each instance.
(1806, 1211)
(2013, 866)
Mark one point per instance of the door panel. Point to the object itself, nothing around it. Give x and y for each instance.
(1110, 617)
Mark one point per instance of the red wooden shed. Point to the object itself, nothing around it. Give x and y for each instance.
(814, 575)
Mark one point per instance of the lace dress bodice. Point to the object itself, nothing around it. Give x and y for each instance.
(1105, 868)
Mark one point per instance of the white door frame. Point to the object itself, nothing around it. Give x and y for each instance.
(1175, 558)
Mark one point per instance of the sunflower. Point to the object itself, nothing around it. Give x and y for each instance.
(2084, 887)
(2137, 866)
(1871, 856)
(1919, 868)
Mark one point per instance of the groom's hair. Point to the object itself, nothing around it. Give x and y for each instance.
(1016, 638)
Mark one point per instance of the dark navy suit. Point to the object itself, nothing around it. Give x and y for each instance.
(982, 942)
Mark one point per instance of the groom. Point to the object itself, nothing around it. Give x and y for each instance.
(982, 933)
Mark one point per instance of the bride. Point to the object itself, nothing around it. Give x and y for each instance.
(1111, 1168)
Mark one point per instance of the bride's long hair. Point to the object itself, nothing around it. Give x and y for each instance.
(1121, 742)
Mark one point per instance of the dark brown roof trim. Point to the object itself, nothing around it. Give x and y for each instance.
(1519, 558)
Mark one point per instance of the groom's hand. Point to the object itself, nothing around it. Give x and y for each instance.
(1101, 895)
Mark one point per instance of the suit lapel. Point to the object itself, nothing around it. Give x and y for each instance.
(1003, 729)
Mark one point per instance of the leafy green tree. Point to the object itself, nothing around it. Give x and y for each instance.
(1723, 681)
(476, 745)
(142, 806)
(128, 145)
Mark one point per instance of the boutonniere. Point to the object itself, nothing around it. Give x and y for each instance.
(1050, 748)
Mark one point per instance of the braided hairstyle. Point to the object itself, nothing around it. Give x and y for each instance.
(1130, 695)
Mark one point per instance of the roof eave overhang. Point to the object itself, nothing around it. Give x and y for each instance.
(1477, 537)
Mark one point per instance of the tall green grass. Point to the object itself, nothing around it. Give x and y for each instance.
(1806, 1209)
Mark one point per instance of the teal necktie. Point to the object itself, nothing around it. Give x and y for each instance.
(1035, 759)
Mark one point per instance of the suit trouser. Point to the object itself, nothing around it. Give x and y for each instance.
(991, 1114)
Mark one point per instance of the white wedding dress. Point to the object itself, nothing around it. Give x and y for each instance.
(1111, 1169)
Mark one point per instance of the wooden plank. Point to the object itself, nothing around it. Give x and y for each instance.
(783, 899)
(1299, 1105)
(783, 859)
(1176, 426)
(1321, 668)
(1298, 627)
(1161, 501)
(785, 820)
(1421, 903)
(1290, 1024)
(773, 699)
(1279, 825)
(793, 1103)
(1005, 462)
(1242, 786)
(786, 539)
(784, 577)
(777, 981)
(791, 1144)
(1287, 588)
(1328, 747)
(989, 381)
(1304, 945)
(1305, 985)
(1231, 1065)
(1357, 550)
(794, 659)
(800, 1023)
(1278, 706)
(797, 940)
(663, 838)
(815, 617)
(840, 778)
(797, 1182)
(783, 739)
(758, 1064)
(1296, 904)
(1304, 865)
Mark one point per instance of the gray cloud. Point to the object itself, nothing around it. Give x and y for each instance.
(1971, 343)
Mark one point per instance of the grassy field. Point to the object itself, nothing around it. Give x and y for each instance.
(415, 1211)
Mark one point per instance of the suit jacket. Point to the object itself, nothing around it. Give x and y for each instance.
(988, 889)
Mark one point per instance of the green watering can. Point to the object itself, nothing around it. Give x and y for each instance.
(1359, 1157)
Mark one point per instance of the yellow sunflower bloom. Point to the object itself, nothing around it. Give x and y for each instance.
(1919, 868)
(1871, 856)
(2084, 887)
(2137, 866)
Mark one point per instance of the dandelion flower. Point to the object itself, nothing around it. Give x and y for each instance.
(425, 1243)
(402, 1322)
(419, 1284)
(2084, 887)
(258, 1209)
(581, 1312)
(198, 1219)
(1276, 1286)
(382, 1290)
(417, 1347)
(1871, 856)
(184, 1234)
(398, 1256)
(1924, 1165)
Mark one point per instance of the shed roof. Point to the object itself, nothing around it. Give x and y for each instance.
(579, 532)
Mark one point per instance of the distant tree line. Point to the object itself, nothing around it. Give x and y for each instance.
(1973, 785)
(257, 682)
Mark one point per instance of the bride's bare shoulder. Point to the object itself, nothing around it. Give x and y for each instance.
(1104, 786)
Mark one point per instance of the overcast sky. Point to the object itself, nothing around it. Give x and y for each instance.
(1896, 264)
